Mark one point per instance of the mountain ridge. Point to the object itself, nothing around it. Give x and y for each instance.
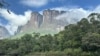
(46, 21)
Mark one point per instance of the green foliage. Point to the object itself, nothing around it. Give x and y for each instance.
(91, 42)
(81, 39)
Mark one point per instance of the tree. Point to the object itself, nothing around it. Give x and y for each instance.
(91, 42)
(26, 44)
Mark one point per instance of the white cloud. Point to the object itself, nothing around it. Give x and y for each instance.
(15, 20)
(60, 8)
(34, 3)
(74, 15)
(11, 28)
(71, 16)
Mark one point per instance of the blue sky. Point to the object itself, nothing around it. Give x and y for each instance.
(18, 7)
(21, 10)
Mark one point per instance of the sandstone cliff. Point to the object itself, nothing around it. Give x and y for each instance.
(3, 32)
(47, 21)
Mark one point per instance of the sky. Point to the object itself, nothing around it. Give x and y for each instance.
(21, 10)
(19, 6)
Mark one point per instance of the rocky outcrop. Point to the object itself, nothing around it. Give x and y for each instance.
(3, 32)
(34, 22)
(46, 21)
(49, 15)
(49, 19)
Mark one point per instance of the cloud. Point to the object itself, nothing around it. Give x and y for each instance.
(74, 15)
(11, 28)
(15, 20)
(34, 3)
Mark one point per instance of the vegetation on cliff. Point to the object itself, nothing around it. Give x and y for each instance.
(81, 39)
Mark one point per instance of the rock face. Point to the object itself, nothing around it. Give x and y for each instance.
(49, 20)
(3, 32)
(49, 15)
(34, 22)
(46, 21)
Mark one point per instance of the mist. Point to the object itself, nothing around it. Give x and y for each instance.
(71, 16)
(15, 20)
